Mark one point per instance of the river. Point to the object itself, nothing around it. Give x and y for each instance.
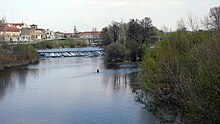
(69, 91)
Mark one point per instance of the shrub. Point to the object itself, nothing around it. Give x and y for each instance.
(115, 52)
(25, 53)
(183, 76)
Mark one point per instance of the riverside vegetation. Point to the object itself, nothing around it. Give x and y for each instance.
(23, 54)
(17, 55)
(125, 41)
(180, 75)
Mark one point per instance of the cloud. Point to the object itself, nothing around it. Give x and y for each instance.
(86, 14)
(112, 4)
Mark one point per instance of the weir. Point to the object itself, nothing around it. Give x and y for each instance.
(72, 52)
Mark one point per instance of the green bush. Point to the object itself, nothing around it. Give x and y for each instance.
(132, 50)
(25, 53)
(115, 52)
(17, 55)
(182, 74)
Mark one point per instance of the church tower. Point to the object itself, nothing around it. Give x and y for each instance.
(75, 31)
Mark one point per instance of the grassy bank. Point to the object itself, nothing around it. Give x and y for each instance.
(70, 43)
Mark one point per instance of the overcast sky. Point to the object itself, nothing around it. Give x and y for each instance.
(62, 15)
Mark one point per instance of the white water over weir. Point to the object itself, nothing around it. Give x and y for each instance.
(72, 52)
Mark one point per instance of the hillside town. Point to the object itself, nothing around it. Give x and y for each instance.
(24, 33)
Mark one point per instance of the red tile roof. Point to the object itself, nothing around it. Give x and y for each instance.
(21, 24)
(12, 29)
(5, 28)
(90, 33)
(69, 33)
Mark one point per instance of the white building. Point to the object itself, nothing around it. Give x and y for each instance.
(50, 35)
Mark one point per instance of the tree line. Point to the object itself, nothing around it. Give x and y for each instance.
(125, 41)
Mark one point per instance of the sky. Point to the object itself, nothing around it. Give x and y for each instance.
(62, 15)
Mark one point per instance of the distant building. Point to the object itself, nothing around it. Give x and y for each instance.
(69, 35)
(37, 34)
(25, 35)
(9, 33)
(33, 26)
(58, 35)
(91, 37)
(32, 34)
(49, 35)
(17, 25)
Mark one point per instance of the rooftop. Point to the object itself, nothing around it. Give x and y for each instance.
(5, 28)
(91, 33)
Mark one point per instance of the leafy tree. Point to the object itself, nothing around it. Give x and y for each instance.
(147, 29)
(140, 31)
(132, 50)
(134, 30)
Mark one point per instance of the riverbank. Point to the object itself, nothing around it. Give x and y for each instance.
(14, 56)
(63, 43)
(19, 55)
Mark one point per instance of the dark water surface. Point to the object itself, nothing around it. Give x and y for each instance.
(69, 91)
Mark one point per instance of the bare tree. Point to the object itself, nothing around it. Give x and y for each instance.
(165, 29)
(181, 25)
(192, 22)
(206, 23)
(3, 20)
(214, 16)
(114, 29)
(105, 34)
(123, 29)
(111, 33)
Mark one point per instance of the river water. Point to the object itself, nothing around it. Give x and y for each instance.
(69, 91)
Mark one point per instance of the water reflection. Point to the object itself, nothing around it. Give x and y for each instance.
(9, 79)
(68, 90)
(124, 80)
(120, 75)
